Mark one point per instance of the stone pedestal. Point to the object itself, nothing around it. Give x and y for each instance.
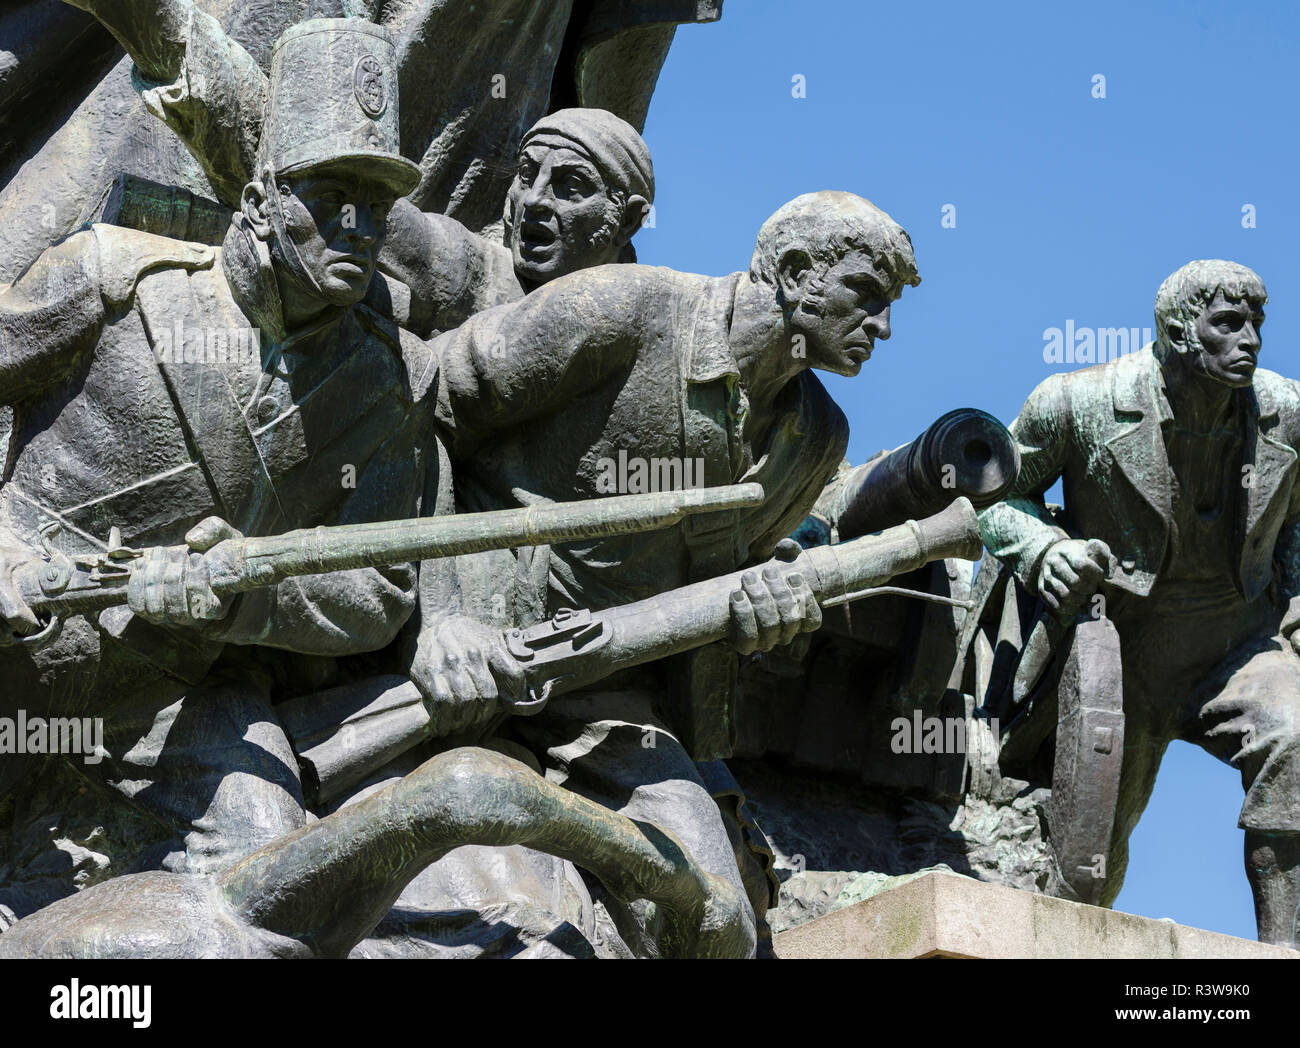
(948, 915)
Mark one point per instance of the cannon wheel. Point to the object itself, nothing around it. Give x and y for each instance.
(1073, 723)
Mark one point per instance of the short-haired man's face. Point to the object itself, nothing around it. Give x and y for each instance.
(338, 223)
(559, 215)
(1228, 331)
(843, 313)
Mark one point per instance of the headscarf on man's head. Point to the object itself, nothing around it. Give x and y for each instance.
(609, 142)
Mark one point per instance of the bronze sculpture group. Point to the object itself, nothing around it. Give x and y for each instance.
(510, 737)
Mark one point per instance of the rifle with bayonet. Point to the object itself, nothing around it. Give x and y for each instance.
(58, 585)
(346, 733)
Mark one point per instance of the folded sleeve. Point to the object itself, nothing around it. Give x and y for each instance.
(50, 317)
(529, 358)
(452, 273)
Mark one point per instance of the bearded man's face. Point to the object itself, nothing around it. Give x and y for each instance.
(561, 216)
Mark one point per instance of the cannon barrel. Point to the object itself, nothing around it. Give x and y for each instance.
(966, 453)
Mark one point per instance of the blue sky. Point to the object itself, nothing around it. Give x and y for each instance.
(1069, 209)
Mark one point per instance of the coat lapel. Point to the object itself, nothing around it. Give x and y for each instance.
(1138, 450)
(712, 413)
(1268, 484)
(206, 401)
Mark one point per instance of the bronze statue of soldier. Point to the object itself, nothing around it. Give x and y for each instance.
(164, 389)
(475, 76)
(581, 185)
(1181, 527)
(656, 366)
(306, 411)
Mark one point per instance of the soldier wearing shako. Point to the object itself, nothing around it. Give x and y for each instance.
(582, 181)
(182, 393)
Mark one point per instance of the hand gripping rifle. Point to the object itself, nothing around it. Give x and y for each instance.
(58, 585)
(577, 648)
(346, 733)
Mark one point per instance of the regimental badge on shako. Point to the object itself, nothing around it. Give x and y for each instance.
(368, 82)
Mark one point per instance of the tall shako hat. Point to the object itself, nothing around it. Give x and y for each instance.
(333, 97)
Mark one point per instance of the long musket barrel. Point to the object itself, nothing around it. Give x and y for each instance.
(579, 648)
(346, 733)
(65, 586)
(314, 551)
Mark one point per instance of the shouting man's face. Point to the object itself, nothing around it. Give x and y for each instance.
(560, 216)
(1228, 331)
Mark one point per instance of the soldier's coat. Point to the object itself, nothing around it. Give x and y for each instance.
(534, 395)
(132, 411)
(1100, 429)
(1206, 655)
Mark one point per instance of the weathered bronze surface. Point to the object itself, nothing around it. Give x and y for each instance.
(430, 579)
(1176, 552)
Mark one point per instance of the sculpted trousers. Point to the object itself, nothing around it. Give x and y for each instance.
(612, 747)
(214, 765)
(1215, 676)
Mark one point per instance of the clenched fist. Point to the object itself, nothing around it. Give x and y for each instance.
(1071, 572)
